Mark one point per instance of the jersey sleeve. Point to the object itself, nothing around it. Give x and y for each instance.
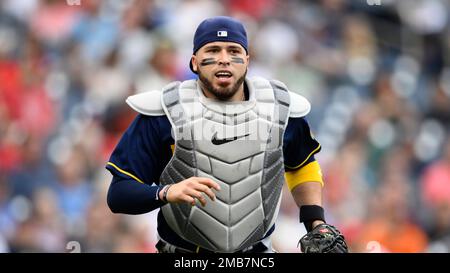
(299, 146)
(142, 152)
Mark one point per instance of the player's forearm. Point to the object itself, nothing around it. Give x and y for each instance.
(132, 197)
(308, 193)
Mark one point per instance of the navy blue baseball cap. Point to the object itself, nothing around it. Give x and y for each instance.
(220, 28)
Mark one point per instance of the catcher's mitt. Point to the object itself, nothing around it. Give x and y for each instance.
(323, 238)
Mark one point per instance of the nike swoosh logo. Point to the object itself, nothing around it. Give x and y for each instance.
(220, 141)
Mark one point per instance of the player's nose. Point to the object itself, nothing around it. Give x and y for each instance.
(224, 57)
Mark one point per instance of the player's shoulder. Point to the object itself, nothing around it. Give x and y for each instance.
(296, 124)
(299, 106)
(147, 103)
(151, 103)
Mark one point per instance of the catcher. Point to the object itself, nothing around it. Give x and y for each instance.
(213, 154)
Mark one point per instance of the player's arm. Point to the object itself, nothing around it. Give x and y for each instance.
(136, 163)
(308, 195)
(303, 173)
(304, 179)
(131, 197)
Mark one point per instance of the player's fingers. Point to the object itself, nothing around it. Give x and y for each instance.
(188, 199)
(206, 190)
(208, 182)
(199, 196)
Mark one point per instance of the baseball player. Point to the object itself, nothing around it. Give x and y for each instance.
(214, 154)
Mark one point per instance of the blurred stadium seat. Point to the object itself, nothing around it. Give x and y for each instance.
(376, 72)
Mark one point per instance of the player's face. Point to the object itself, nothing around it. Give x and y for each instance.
(221, 67)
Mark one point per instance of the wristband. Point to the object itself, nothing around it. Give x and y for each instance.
(166, 189)
(311, 213)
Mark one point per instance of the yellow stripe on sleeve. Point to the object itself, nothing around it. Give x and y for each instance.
(125, 172)
(306, 159)
(308, 173)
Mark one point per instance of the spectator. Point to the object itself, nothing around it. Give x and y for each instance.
(377, 79)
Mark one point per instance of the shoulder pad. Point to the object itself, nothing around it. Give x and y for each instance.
(299, 106)
(147, 103)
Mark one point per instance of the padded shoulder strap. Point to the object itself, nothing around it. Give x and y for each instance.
(147, 103)
(299, 106)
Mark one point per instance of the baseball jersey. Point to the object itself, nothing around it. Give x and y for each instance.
(145, 149)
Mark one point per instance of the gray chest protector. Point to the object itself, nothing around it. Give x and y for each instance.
(239, 146)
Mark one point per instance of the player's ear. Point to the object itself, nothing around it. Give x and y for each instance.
(194, 63)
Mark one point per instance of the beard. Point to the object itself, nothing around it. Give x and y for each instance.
(221, 93)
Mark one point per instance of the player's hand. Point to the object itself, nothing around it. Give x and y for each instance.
(192, 188)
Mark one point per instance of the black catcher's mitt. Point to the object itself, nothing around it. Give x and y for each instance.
(323, 238)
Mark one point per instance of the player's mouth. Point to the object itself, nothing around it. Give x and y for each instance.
(223, 77)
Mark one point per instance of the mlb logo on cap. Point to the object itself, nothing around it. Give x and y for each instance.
(222, 33)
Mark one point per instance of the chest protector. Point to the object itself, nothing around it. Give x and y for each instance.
(239, 146)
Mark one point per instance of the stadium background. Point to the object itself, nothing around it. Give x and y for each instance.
(377, 74)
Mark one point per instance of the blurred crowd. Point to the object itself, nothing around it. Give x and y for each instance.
(376, 72)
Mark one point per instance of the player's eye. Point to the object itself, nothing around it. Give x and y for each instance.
(213, 50)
